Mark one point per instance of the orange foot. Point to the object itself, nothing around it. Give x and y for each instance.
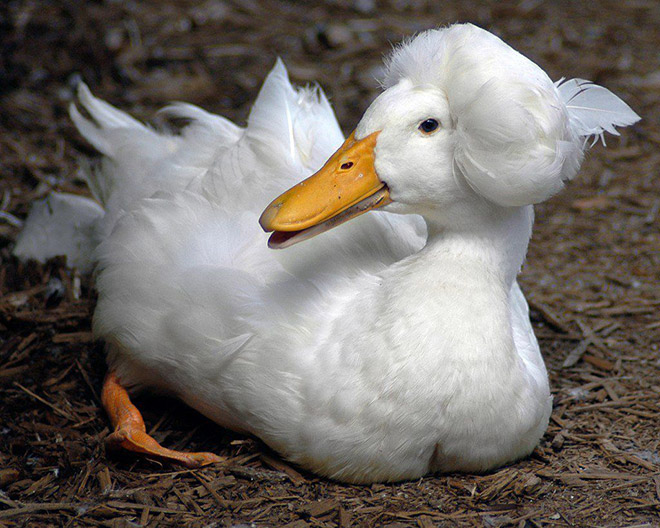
(131, 434)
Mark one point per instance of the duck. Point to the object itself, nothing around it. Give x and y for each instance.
(380, 334)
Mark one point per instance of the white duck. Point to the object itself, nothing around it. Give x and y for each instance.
(379, 351)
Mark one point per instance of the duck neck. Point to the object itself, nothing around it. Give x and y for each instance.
(456, 292)
(453, 298)
(493, 238)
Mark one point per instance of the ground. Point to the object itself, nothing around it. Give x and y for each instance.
(591, 276)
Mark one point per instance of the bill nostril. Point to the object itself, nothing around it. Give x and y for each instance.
(347, 165)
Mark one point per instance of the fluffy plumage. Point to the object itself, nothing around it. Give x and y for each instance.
(389, 347)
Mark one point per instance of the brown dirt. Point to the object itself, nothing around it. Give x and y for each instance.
(592, 275)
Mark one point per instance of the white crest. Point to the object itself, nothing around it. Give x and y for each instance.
(519, 137)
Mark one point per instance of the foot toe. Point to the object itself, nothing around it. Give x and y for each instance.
(195, 460)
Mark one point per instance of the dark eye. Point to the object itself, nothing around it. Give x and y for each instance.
(429, 125)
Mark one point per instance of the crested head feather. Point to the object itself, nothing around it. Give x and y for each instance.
(518, 137)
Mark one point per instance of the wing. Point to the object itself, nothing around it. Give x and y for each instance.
(139, 160)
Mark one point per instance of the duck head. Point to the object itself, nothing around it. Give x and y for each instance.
(395, 157)
(465, 124)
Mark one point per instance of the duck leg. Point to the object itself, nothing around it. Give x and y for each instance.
(131, 434)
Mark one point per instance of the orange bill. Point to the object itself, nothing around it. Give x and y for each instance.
(345, 187)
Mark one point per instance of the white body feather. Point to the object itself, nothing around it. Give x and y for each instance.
(372, 352)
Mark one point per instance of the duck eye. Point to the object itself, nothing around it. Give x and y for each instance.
(429, 125)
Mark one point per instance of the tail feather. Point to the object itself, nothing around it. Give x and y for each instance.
(103, 117)
(294, 125)
(226, 132)
(290, 133)
(138, 159)
(104, 113)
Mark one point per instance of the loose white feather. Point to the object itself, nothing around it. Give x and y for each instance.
(593, 109)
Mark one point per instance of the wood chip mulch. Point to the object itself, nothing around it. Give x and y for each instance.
(592, 276)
